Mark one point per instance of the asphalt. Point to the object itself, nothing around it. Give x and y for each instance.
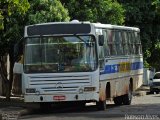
(16, 107)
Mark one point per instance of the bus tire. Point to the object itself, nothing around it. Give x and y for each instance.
(101, 105)
(128, 97)
(118, 100)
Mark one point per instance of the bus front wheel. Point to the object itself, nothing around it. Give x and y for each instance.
(101, 105)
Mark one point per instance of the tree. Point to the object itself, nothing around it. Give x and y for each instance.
(154, 58)
(157, 4)
(9, 7)
(10, 12)
(13, 18)
(42, 11)
(104, 11)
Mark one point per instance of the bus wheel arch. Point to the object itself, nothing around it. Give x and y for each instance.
(101, 105)
(108, 90)
(131, 84)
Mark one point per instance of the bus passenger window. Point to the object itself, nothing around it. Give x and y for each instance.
(118, 43)
(106, 47)
(125, 43)
(138, 49)
(131, 43)
(111, 43)
(101, 57)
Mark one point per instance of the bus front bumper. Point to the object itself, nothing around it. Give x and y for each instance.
(61, 97)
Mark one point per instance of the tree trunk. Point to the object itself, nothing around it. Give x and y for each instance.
(11, 59)
(5, 81)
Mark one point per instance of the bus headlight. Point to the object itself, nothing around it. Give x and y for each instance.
(89, 89)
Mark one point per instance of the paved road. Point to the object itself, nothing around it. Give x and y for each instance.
(143, 107)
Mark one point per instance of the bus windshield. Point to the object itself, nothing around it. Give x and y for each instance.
(60, 54)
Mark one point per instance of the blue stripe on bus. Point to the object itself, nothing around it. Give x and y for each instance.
(115, 68)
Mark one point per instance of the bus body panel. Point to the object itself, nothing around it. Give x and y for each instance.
(119, 80)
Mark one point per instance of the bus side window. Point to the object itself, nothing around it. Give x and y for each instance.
(118, 43)
(131, 43)
(101, 57)
(137, 44)
(102, 51)
(111, 42)
(106, 47)
(125, 43)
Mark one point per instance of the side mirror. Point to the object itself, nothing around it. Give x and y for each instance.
(101, 40)
(18, 68)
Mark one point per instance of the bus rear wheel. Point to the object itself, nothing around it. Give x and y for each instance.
(118, 100)
(128, 97)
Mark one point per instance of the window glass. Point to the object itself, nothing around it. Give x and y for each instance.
(138, 47)
(106, 47)
(60, 54)
(134, 43)
(131, 42)
(111, 42)
(125, 43)
(118, 43)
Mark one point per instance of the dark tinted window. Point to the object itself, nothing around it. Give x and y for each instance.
(50, 29)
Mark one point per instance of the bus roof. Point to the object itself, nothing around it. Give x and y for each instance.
(109, 26)
(73, 27)
(97, 25)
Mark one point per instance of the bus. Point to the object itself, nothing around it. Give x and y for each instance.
(80, 62)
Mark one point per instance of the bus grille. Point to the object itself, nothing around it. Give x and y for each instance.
(59, 84)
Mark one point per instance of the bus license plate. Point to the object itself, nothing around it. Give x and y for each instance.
(59, 97)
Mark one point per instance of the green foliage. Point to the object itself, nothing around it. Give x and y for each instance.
(11, 12)
(1, 21)
(9, 7)
(20, 6)
(47, 11)
(104, 11)
(157, 4)
(146, 64)
(155, 56)
(141, 14)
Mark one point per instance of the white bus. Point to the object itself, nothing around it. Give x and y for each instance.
(80, 62)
